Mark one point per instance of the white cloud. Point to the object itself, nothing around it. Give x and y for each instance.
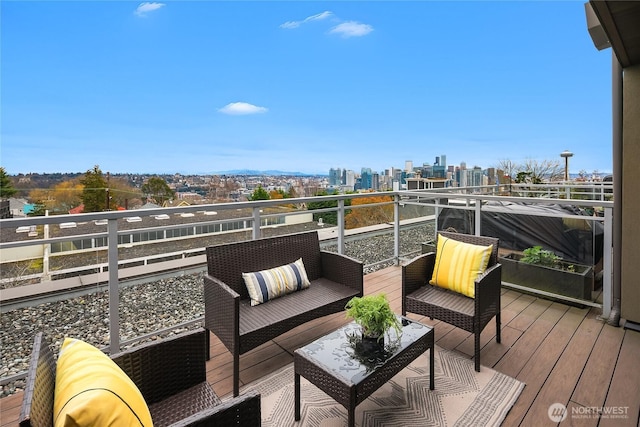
(351, 29)
(318, 17)
(146, 7)
(290, 25)
(242, 108)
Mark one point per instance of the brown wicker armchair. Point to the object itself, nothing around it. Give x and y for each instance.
(170, 374)
(470, 314)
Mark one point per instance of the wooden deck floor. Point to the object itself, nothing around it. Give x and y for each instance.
(563, 354)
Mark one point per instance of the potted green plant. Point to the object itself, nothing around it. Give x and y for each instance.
(373, 314)
(537, 255)
(542, 269)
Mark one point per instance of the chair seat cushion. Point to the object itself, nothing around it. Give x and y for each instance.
(266, 285)
(441, 300)
(458, 265)
(92, 390)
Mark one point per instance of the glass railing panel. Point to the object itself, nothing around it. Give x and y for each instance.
(59, 294)
(562, 256)
(373, 241)
(417, 229)
(155, 304)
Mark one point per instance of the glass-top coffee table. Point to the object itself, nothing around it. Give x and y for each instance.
(350, 369)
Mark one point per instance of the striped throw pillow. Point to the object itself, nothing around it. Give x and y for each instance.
(273, 283)
(458, 265)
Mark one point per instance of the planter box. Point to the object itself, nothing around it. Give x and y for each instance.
(574, 284)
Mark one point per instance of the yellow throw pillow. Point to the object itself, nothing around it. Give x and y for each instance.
(91, 390)
(458, 265)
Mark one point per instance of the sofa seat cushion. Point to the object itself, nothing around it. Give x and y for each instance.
(183, 404)
(92, 390)
(458, 265)
(321, 293)
(268, 284)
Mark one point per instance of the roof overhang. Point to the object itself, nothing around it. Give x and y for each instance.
(620, 22)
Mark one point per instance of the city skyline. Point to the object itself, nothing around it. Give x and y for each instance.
(204, 87)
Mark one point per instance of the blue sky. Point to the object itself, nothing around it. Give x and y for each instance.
(206, 86)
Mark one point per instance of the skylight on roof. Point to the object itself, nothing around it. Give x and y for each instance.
(67, 225)
(101, 222)
(163, 216)
(133, 219)
(23, 229)
(210, 213)
(187, 215)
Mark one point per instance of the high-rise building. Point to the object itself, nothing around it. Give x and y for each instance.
(424, 171)
(366, 179)
(461, 176)
(350, 178)
(408, 166)
(375, 181)
(477, 177)
(335, 176)
(438, 170)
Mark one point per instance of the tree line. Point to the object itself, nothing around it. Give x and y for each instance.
(354, 218)
(95, 191)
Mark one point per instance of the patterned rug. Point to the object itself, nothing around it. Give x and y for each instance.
(462, 397)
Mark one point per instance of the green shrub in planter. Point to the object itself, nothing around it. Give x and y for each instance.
(543, 270)
(373, 314)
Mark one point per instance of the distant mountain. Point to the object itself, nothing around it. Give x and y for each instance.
(263, 173)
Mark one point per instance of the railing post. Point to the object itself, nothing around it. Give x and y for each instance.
(46, 276)
(478, 219)
(256, 223)
(607, 264)
(436, 211)
(396, 229)
(114, 291)
(341, 226)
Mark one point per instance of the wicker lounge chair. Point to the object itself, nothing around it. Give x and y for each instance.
(470, 314)
(176, 392)
(334, 278)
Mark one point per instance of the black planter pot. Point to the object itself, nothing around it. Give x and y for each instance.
(371, 345)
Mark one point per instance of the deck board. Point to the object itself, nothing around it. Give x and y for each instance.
(563, 354)
(590, 391)
(568, 368)
(625, 386)
(521, 352)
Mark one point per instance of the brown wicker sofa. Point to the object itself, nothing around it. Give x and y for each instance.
(334, 278)
(170, 374)
(470, 314)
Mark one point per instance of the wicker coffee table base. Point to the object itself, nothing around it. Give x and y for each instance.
(350, 394)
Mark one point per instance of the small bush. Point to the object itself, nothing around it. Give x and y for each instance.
(537, 255)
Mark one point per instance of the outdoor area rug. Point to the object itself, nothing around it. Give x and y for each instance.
(462, 397)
